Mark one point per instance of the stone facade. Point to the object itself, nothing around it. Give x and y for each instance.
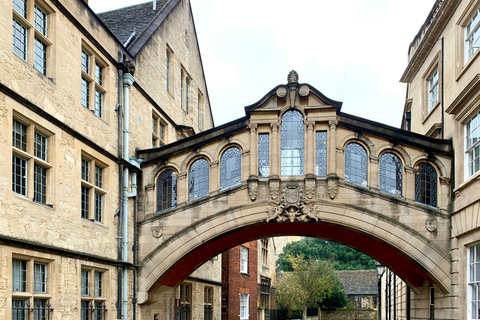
(67, 90)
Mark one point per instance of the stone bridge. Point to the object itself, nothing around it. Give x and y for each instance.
(297, 165)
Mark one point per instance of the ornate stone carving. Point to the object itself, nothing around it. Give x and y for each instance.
(310, 125)
(292, 207)
(274, 192)
(332, 185)
(263, 192)
(322, 190)
(282, 92)
(431, 225)
(275, 126)
(310, 188)
(253, 127)
(333, 124)
(304, 90)
(444, 180)
(292, 76)
(157, 232)
(253, 189)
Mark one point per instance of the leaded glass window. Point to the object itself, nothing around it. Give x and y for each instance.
(19, 40)
(40, 184)
(19, 175)
(40, 56)
(166, 190)
(40, 147)
(356, 164)
(391, 174)
(19, 135)
(263, 155)
(292, 143)
(198, 179)
(321, 153)
(230, 167)
(426, 184)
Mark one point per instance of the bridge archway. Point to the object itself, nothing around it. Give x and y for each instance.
(412, 256)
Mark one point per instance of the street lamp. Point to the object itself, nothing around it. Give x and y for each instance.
(380, 270)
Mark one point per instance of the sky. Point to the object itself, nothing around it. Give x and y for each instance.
(354, 51)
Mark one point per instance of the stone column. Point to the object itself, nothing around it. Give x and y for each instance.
(409, 183)
(310, 167)
(374, 173)
(253, 149)
(275, 161)
(214, 177)
(332, 147)
(182, 187)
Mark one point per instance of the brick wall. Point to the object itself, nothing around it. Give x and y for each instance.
(235, 282)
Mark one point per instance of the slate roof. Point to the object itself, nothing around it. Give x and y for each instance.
(358, 282)
(123, 22)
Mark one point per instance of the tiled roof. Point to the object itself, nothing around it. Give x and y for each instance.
(359, 281)
(123, 22)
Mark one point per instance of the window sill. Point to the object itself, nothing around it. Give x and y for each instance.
(468, 181)
(430, 112)
(462, 70)
(245, 273)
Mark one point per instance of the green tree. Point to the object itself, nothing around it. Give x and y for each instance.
(342, 257)
(312, 284)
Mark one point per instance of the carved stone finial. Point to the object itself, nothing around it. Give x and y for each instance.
(292, 77)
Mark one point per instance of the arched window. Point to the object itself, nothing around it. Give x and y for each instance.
(198, 179)
(166, 190)
(391, 174)
(230, 167)
(426, 184)
(292, 143)
(356, 164)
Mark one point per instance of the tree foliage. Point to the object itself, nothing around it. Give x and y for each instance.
(312, 284)
(342, 257)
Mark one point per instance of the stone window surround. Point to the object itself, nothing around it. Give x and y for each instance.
(30, 294)
(159, 130)
(435, 65)
(92, 299)
(93, 187)
(33, 33)
(31, 160)
(94, 84)
(462, 63)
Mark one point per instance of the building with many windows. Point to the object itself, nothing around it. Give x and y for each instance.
(79, 93)
(443, 91)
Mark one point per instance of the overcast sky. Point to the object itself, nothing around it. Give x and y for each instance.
(353, 51)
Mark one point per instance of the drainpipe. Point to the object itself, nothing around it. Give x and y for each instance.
(120, 191)
(128, 80)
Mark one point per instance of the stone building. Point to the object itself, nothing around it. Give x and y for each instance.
(78, 95)
(442, 97)
(360, 287)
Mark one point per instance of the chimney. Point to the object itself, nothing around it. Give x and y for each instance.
(154, 5)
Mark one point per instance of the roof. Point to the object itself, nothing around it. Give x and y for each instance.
(359, 281)
(123, 22)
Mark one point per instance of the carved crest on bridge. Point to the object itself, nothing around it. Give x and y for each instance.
(292, 207)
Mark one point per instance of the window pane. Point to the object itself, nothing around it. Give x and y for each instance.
(19, 135)
(85, 170)
(40, 56)
(85, 62)
(98, 73)
(19, 175)
(40, 20)
(19, 309)
(98, 176)
(198, 179)
(85, 282)
(356, 164)
(230, 167)
(292, 143)
(21, 7)
(263, 155)
(391, 174)
(40, 278)
(98, 284)
(98, 103)
(40, 309)
(19, 275)
(426, 184)
(85, 97)
(40, 184)
(40, 146)
(19, 39)
(166, 190)
(98, 207)
(321, 153)
(85, 202)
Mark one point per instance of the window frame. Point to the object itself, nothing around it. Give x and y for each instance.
(474, 147)
(163, 192)
(263, 139)
(244, 306)
(363, 165)
(398, 172)
(93, 293)
(422, 192)
(292, 149)
(321, 138)
(233, 176)
(92, 191)
(31, 167)
(244, 252)
(198, 179)
(159, 130)
(93, 81)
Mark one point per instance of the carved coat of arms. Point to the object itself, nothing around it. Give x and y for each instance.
(292, 207)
